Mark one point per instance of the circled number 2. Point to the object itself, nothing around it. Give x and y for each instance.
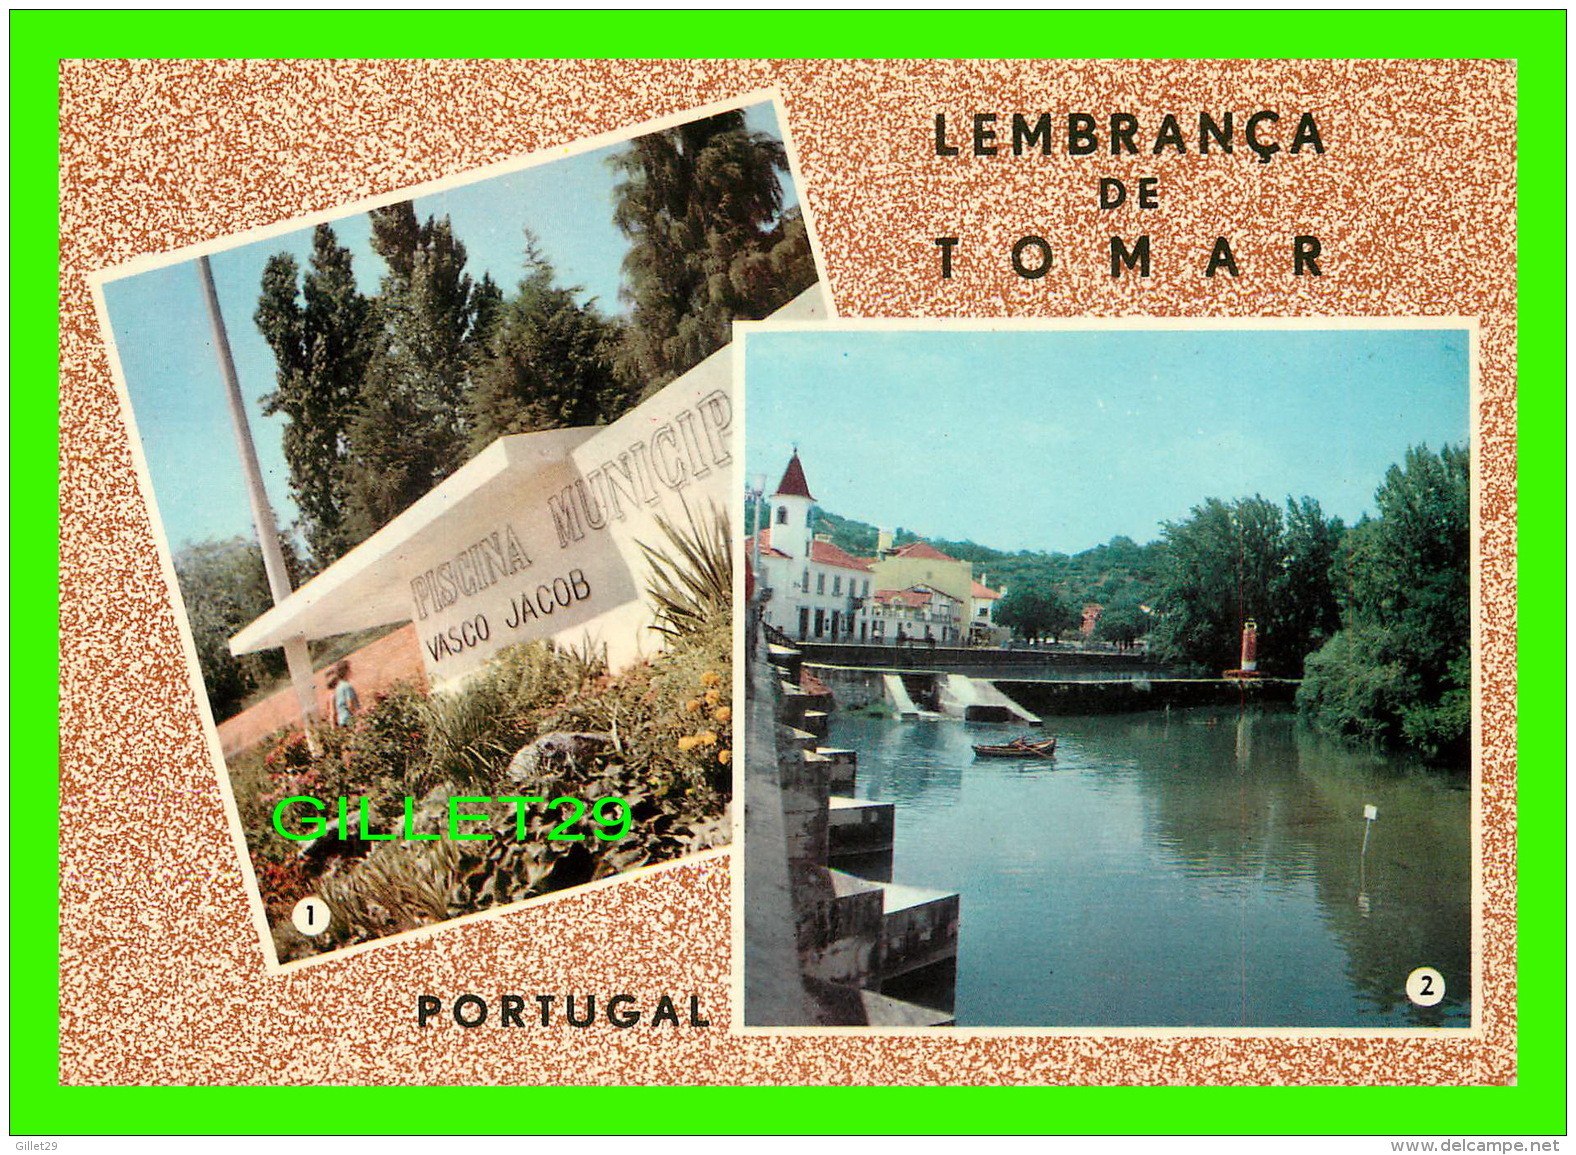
(1425, 986)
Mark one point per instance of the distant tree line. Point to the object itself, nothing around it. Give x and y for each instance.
(1046, 590)
(386, 394)
(224, 587)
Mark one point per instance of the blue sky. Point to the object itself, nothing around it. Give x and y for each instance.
(1061, 440)
(161, 327)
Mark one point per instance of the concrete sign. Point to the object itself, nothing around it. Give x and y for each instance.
(537, 536)
(474, 565)
(499, 578)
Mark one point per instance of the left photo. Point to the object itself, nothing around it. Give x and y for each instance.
(441, 482)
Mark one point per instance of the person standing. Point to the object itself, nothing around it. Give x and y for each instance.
(346, 703)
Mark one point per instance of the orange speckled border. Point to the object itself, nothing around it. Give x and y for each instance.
(1415, 200)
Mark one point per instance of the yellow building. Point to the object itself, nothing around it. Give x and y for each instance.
(921, 564)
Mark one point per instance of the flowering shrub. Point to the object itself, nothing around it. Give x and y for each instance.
(668, 757)
(290, 751)
(282, 884)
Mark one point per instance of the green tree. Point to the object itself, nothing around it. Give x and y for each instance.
(1123, 622)
(487, 301)
(701, 205)
(1400, 668)
(1064, 617)
(1219, 568)
(320, 337)
(224, 586)
(1034, 611)
(547, 361)
(409, 430)
(1306, 609)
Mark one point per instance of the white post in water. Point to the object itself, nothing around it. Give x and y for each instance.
(296, 655)
(1370, 812)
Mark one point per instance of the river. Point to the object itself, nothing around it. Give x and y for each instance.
(1202, 868)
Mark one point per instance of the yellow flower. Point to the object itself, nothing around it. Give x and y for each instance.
(723, 714)
(712, 697)
(707, 738)
(692, 706)
(688, 742)
(724, 756)
(710, 679)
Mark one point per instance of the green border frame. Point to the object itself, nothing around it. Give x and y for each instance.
(1535, 1105)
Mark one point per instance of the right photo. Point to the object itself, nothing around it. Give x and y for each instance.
(1107, 676)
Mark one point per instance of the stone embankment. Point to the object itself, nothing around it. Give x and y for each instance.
(828, 940)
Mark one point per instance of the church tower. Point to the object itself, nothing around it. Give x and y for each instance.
(791, 511)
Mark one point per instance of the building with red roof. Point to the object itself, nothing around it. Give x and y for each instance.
(793, 483)
(815, 590)
(923, 550)
(918, 564)
(918, 613)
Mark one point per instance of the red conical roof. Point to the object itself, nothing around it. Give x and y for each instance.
(793, 483)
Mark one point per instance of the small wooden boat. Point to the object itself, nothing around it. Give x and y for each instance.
(1018, 748)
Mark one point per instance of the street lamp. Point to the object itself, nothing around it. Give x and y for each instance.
(757, 494)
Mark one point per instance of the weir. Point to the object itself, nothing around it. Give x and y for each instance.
(1022, 699)
(898, 697)
(975, 700)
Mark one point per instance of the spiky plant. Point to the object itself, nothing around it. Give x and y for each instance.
(394, 889)
(584, 662)
(691, 580)
(469, 738)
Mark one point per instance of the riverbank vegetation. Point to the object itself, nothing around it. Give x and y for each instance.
(1399, 669)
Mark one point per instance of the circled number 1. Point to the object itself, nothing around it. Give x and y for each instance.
(311, 916)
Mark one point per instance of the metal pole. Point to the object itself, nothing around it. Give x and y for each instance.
(757, 609)
(296, 655)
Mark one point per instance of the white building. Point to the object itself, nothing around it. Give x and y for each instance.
(813, 590)
(982, 615)
(917, 614)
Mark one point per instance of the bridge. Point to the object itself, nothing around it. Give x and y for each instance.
(978, 661)
(924, 683)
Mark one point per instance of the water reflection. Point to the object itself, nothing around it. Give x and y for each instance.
(1200, 868)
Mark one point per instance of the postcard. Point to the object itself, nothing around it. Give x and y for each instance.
(635, 569)
(1123, 679)
(442, 484)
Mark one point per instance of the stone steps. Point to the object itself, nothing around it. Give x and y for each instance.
(853, 934)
